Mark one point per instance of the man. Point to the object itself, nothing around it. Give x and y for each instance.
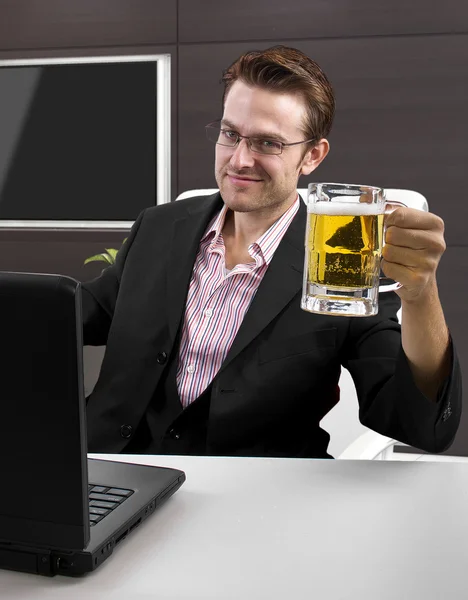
(208, 350)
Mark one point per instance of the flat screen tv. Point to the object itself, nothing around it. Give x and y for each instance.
(83, 139)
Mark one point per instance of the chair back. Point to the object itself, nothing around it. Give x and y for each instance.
(411, 198)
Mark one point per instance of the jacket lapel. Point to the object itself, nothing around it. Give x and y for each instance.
(185, 239)
(279, 285)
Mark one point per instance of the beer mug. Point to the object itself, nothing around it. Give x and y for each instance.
(343, 248)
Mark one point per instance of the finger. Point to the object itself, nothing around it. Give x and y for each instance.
(411, 218)
(408, 257)
(417, 239)
(407, 276)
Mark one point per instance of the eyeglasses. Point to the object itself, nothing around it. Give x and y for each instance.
(226, 137)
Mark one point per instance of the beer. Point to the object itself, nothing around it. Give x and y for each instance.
(344, 244)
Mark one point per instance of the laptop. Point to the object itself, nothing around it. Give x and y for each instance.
(60, 513)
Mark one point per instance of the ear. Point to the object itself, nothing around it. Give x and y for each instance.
(314, 156)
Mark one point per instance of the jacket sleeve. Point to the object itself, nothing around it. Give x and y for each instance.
(100, 295)
(389, 401)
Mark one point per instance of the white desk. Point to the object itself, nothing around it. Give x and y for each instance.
(288, 529)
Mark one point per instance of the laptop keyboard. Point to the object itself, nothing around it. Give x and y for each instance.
(103, 500)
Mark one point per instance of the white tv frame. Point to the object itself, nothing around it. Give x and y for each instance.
(163, 135)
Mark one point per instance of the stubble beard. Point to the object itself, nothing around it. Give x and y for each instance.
(243, 200)
(240, 199)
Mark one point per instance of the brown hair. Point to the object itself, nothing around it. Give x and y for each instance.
(288, 70)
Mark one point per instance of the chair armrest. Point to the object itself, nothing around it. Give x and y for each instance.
(369, 446)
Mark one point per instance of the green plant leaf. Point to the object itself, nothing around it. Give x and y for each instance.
(112, 252)
(99, 258)
(108, 256)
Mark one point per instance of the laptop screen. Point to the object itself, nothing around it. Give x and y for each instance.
(43, 434)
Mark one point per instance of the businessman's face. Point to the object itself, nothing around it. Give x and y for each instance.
(251, 181)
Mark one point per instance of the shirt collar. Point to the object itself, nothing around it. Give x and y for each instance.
(216, 226)
(269, 241)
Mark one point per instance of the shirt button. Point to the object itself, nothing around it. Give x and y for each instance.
(191, 369)
(208, 312)
(126, 431)
(161, 358)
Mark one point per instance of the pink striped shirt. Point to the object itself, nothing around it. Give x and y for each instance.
(217, 301)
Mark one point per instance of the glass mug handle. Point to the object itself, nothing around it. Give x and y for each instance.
(390, 206)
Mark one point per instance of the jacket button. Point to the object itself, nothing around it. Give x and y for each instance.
(161, 358)
(175, 435)
(126, 431)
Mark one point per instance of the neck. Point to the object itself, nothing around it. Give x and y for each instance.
(244, 228)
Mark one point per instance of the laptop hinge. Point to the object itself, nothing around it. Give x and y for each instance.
(35, 561)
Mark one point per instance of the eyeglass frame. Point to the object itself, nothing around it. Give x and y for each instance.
(216, 124)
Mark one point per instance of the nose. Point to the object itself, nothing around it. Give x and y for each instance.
(242, 156)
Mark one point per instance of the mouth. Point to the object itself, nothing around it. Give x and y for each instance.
(242, 181)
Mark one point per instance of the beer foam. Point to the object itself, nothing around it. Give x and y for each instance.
(350, 209)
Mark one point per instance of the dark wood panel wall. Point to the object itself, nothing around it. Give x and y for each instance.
(58, 251)
(398, 69)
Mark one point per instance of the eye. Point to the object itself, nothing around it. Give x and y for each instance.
(230, 135)
(270, 144)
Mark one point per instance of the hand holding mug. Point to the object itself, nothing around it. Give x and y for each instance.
(414, 244)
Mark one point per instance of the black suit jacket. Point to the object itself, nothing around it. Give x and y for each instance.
(280, 376)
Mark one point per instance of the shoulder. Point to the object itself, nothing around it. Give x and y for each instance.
(181, 208)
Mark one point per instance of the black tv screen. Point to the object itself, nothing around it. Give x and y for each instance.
(78, 141)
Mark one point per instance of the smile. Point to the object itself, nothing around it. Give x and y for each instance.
(242, 181)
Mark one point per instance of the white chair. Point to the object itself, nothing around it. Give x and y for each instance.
(349, 439)
(196, 192)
